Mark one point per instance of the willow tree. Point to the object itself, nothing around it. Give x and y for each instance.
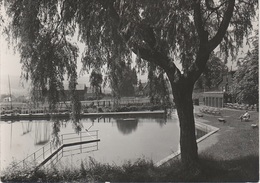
(165, 33)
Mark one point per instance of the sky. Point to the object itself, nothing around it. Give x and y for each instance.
(10, 66)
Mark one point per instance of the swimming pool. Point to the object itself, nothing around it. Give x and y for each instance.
(121, 140)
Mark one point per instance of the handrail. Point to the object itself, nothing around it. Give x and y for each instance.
(49, 150)
(80, 132)
(61, 148)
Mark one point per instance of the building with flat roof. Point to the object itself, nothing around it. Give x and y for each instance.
(213, 99)
(82, 91)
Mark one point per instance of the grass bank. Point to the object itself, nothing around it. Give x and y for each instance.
(244, 169)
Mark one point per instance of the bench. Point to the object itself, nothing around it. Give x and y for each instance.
(222, 120)
(200, 115)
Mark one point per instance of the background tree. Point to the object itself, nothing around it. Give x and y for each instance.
(158, 86)
(212, 74)
(180, 31)
(140, 86)
(128, 81)
(96, 80)
(245, 85)
(122, 79)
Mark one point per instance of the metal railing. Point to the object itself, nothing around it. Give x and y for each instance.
(48, 151)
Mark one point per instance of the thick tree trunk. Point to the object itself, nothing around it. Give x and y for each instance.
(183, 101)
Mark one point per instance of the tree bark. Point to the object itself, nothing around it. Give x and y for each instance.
(182, 93)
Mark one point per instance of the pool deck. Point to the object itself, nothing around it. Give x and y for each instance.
(203, 142)
(210, 138)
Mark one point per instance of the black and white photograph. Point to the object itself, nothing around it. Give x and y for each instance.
(129, 91)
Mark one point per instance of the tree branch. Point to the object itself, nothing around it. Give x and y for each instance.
(215, 41)
(211, 8)
(197, 67)
(150, 53)
(198, 19)
(206, 46)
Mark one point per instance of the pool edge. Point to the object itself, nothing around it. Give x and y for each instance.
(202, 126)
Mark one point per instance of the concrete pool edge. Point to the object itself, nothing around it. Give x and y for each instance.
(199, 125)
(43, 116)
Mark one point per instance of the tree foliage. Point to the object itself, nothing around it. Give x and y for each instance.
(158, 86)
(140, 86)
(42, 28)
(245, 86)
(96, 80)
(212, 74)
(123, 80)
(128, 81)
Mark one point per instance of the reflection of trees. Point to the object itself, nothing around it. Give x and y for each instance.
(77, 126)
(161, 121)
(127, 126)
(55, 132)
(64, 123)
(100, 119)
(27, 127)
(42, 133)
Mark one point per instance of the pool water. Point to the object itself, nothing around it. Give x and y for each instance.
(152, 138)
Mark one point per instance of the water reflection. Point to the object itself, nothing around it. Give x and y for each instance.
(77, 126)
(55, 132)
(161, 121)
(27, 127)
(127, 126)
(42, 133)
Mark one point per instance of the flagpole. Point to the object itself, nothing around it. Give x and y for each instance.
(10, 92)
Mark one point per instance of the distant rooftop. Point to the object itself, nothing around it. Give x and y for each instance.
(78, 87)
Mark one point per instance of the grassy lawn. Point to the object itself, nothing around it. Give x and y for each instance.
(236, 139)
(234, 158)
(236, 152)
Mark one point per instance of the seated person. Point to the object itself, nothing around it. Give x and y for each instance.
(245, 116)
